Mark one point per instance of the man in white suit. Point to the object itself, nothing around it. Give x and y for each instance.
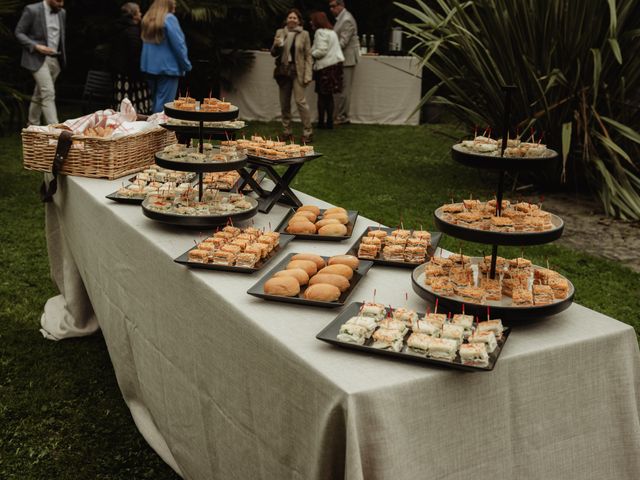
(347, 30)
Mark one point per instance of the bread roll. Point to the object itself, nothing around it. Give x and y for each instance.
(327, 221)
(319, 261)
(305, 213)
(306, 265)
(298, 218)
(299, 274)
(339, 269)
(333, 229)
(283, 286)
(301, 228)
(309, 208)
(323, 292)
(331, 210)
(332, 279)
(348, 260)
(341, 217)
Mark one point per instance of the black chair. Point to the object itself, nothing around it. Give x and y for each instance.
(98, 92)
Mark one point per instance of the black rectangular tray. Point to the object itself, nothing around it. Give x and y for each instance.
(263, 161)
(128, 200)
(379, 260)
(258, 289)
(352, 214)
(284, 240)
(329, 334)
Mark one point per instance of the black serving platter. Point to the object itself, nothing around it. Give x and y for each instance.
(330, 335)
(352, 214)
(135, 200)
(284, 240)
(194, 130)
(263, 161)
(200, 221)
(379, 260)
(512, 164)
(499, 238)
(258, 289)
(499, 309)
(200, 166)
(199, 116)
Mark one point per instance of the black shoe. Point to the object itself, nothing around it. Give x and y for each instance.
(329, 126)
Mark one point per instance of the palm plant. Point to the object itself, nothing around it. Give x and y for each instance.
(576, 70)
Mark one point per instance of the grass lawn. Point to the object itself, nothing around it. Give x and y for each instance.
(61, 413)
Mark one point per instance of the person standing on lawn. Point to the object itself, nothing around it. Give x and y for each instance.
(164, 52)
(40, 31)
(347, 30)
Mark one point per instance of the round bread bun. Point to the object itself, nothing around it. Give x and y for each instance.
(282, 286)
(309, 208)
(308, 266)
(299, 274)
(339, 269)
(332, 279)
(327, 221)
(341, 217)
(333, 230)
(319, 261)
(331, 210)
(323, 292)
(301, 227)
(348, 260)
(298, 218)
(305, 213)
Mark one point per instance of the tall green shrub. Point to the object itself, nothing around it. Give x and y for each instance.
(576, 67)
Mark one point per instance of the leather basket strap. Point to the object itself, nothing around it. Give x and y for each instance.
(62, 151)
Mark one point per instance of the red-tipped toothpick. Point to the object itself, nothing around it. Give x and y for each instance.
(435, 310)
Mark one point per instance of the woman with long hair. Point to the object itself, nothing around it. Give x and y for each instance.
(164, 52)
(292, 49)
(327, 67)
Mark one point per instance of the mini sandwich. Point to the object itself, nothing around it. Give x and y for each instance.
(522, 297)
(453, 208)
(442, 349)
(487, 338)
(367, 251)
(394, 240)
(436, 319)
(379, 234)
(492, 288)
(501, 264)
(419, 343)
(208, 246)
(393, 324)
(371, 241)
(474, 354)
(232, 230)
(415, 254)
(235, 249)
(534, 224)
(432, 271)
(417, 242)
(494, 326)
(247, 260)
(388, 339)
(393, 253)
(426, 328)
(275, 236)
(442, 286)
(502, 224)
(464, 321)
(542, 295)
(472, 204)
(376, 311)
(453, 332)
(350, 333)
(472, 294)
(520, 264)
(560, 287)
(445, 263)
(514, 280)
(401, 233)
(422, 235)
(268, 240)
(461, 278)
(198, 256)
(220, 257)
(405, 315)
(468, 219)
(543, 276)
(460, 260)
(366, 322)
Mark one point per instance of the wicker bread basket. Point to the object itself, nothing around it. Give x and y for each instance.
(94, 156)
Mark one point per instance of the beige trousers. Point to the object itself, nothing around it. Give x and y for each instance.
(295, 87)
(343, 99)
(43, 101)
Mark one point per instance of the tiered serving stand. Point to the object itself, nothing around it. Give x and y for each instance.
(502, 164)
(201, 167)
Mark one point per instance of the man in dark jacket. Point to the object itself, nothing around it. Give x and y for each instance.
(41, 32)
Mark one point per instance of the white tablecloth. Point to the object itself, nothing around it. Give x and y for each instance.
(386, 90)
(225, 385)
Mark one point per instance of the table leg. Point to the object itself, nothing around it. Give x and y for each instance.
(247, 179)
(281, 191)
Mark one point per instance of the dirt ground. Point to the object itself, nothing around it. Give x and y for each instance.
(589, 230)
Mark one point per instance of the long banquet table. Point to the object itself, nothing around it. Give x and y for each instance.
(224, 385)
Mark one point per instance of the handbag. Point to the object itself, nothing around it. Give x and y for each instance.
(284, 72)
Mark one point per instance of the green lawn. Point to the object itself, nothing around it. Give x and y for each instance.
(61, 413)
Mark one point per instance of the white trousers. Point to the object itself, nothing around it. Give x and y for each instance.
(43, 101)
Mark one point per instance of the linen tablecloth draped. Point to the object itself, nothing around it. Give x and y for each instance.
(224, 385)
(386, 90)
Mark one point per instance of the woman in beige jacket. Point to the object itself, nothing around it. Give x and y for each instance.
(292, 49)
